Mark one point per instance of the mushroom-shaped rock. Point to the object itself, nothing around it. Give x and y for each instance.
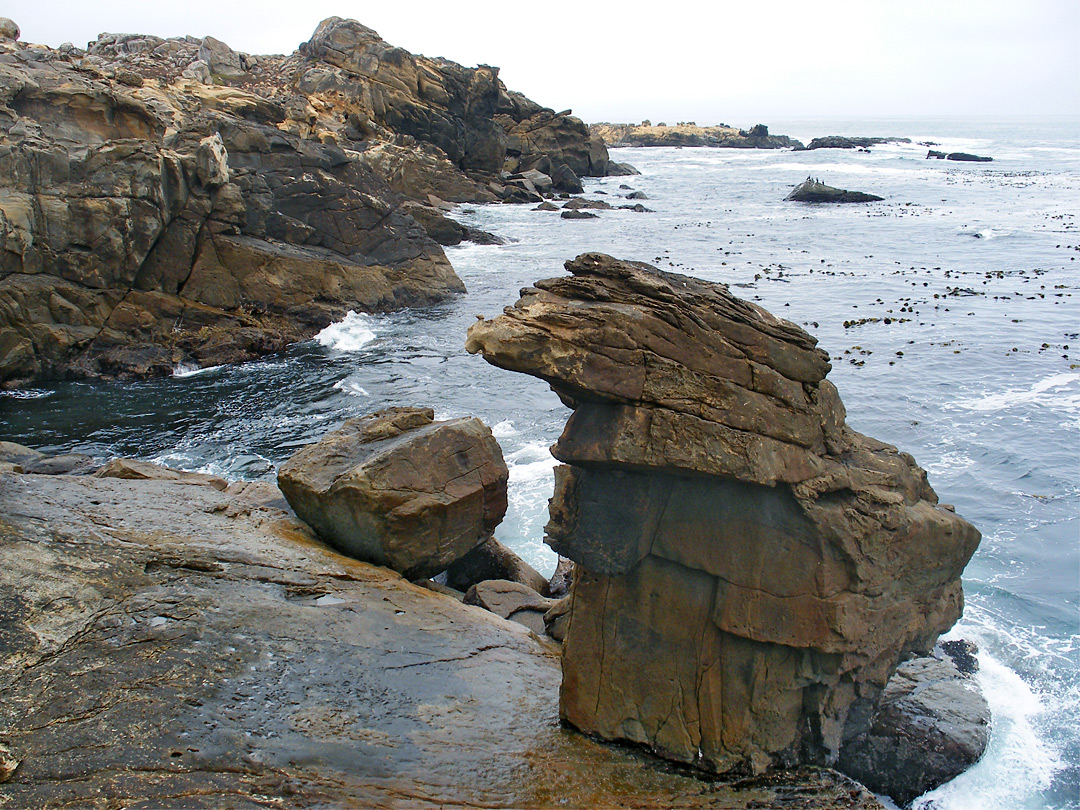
(749, 570)
(397, 488)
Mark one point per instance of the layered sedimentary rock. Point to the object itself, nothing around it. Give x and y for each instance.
(750, 571)
(173, 201)
(397, 488)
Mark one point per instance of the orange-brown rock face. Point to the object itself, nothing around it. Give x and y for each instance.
(750, 570)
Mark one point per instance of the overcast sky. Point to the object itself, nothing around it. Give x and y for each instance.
(736, 63)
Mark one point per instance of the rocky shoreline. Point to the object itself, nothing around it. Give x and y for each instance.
(169, 202)
(749, 592)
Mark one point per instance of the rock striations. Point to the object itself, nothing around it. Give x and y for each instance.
(750, 571)
(172, 201)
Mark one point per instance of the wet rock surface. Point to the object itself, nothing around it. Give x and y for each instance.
(750, 571)
(171, 645)
(931, 725)
(397, 488)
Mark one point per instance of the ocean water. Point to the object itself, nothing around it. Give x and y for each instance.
(951, 311)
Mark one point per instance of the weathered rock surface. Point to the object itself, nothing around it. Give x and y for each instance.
(511, 600)
(492, 560)
(720, 136)
(397, 488)
(814, 191)
(846, 142)
(173, 201)
(750, 571)
(133, 469)
(168, 645)
(931, 725)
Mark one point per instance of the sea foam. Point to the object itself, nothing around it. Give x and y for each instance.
(347, 335)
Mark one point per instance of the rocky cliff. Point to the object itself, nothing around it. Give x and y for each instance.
(750, 571)
(168, 201)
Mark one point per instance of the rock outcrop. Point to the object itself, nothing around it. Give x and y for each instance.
(966, 157)
(846, 142)
(396, 488)
(173, 201)
(169, 645)
(749, 570)
(814, 191)
(931, 725)
(689, 134)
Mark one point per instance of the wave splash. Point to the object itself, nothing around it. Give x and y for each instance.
(350, 334)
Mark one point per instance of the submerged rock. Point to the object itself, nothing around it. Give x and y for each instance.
(397, 488)
(814, 191)
(750, 571)
(228, 659)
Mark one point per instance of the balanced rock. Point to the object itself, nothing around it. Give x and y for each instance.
(750, 571)
(8, 29)
(814, 191)
(398, 489)
(931, 725)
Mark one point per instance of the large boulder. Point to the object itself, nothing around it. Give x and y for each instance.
(750, 571)
(398, 489)
(931, 725)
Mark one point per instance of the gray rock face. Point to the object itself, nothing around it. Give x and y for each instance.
(931, 725)
(398, 489)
